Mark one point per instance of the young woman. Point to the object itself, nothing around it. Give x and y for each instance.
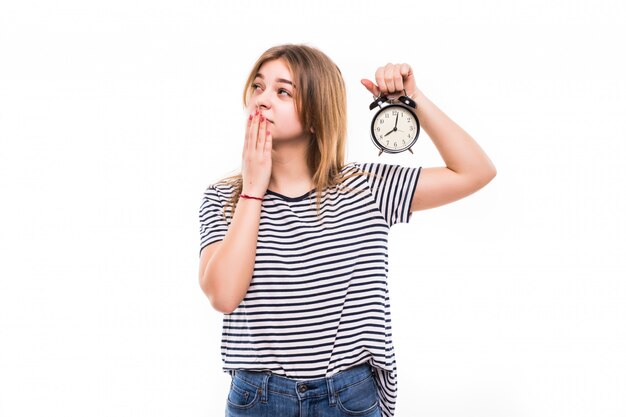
(293, 250)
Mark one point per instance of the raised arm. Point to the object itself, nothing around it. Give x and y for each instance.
(468, 168)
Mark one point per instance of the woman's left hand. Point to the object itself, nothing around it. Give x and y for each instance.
(393, 79)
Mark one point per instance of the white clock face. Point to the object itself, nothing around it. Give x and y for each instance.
(395, 128)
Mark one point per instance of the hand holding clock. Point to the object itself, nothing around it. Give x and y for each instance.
(395, 96)
(393, 79)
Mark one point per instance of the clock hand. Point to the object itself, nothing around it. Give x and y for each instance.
(396, 125)
(395, 128)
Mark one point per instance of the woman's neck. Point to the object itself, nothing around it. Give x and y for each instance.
(291, 175)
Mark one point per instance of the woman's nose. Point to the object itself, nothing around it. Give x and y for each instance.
(263, 99)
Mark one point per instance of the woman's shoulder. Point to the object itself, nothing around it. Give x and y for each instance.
(221, 189)
(355, 175)
(362, 166)
(367, 169)
(359, 167)
(352, 167)
(376, 169)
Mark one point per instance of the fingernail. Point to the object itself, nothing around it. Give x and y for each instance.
(262, 118)
(256, 112)
(267, 133)
(250, 118)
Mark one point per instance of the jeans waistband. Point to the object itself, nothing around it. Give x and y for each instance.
(266, 381)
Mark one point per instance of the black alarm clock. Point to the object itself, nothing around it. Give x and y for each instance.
(395, 126)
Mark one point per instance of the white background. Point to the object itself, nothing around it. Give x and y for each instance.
(115, 116)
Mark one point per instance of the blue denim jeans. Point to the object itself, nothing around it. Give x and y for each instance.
(351, 392)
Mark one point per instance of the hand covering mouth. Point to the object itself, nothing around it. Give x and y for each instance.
(269, 120)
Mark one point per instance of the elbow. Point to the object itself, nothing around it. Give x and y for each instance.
(225, 290)
(491, 174)
(487, 175)
(223, 306)
(220, 302)
(481, 178)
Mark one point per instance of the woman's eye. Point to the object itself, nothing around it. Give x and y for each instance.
(282, 90)
(255, 87)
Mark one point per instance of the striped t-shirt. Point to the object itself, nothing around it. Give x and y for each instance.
(318, 300)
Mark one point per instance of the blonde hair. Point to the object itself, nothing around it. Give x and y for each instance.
(320, 98)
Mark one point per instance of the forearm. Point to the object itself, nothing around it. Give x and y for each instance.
(460, 152)
(228, 274)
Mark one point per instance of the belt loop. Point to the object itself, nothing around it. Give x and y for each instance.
(264, 387)
(332, 399)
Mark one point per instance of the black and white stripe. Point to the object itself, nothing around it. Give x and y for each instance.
(318, 300)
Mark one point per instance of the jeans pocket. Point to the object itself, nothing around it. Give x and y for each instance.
(242, 395)
(360, 399)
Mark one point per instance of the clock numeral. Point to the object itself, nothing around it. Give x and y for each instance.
(387, 141)
(410, 127)
(408, 136)
(395, 144)
(386, 115)
(394, 112)
(381, 121)
(378, 129)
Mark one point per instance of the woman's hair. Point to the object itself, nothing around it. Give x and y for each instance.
(320, 99)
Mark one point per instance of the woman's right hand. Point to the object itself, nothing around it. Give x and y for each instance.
(256, 164)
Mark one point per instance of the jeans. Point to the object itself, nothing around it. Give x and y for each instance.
(351, 392)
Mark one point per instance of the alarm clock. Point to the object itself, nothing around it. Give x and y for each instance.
(395, 126)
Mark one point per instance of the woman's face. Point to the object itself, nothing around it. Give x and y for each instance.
(273, 94)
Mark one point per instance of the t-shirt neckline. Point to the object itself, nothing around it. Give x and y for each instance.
(284, 197)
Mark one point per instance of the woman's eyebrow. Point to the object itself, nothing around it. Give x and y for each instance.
(279, 80)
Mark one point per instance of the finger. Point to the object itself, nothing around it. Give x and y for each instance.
(260, 142)
(253, 133)
(408, 79)
(393, 79)
(268, 143)
(405, 71)
(389, 80)
(371, 87)
(249, 122)
(247, 135)
(380, 80)
(397, 78)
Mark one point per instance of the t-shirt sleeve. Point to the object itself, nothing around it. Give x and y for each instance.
(393, 187)
(213, 225)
